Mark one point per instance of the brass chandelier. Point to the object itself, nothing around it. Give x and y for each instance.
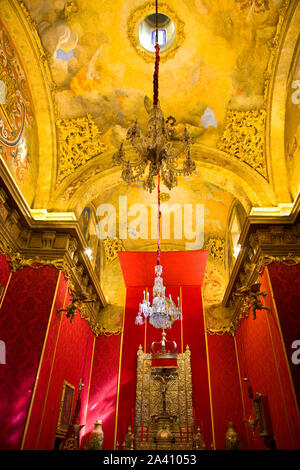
(153, 151)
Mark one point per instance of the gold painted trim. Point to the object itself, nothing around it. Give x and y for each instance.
(6, 117)
(242, 394)
(181, 322)
(119, 375)
(40, 362)
(59, 430)
(50, 374)
(5, 289)
(145, 334)
(90, 378)
(282, 340)
(209, 378)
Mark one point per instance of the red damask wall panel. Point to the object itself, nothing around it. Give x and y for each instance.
(103, 388)
(225, 389)
(194, 337)
(262, 360)
(134, 336)
(23, 322)
(4, 274)
(70, 361)
(285, 281)
(41, 392)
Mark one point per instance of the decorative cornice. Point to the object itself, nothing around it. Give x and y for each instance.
(265, 245)
(269, 235)
(47, 241)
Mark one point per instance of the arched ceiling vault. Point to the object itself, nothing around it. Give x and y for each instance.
(257, 43)
(214, 166)
(279, 91)
(27, 43)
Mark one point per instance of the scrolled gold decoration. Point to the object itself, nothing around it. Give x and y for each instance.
(10, 96)
(243, 138)
(216, 248)
(111, 247)
(79, 140)
(164, 403)
(288, 260)
(17, 262)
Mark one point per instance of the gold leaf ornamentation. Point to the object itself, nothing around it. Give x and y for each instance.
(111, 248)
(216, 247)
(79, 140)
(243, 138)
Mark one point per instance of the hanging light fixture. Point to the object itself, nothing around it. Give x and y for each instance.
(154, 150)
(163, 312)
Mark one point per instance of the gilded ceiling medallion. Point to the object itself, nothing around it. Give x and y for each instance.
(139, 16)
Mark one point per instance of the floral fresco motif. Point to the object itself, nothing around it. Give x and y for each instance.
(15, 111)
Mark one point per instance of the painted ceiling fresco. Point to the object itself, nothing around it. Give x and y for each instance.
(214, 79)
(97, 70)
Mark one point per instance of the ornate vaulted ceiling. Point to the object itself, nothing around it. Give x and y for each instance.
(88, 78)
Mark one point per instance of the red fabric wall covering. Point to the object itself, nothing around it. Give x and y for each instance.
(262, 361)
(4, 275)
(35, 418)
(23, 322)
(194, 337)
(71, 361)
(285, 281)
(103, 389)
(225, 389)
(134, 336)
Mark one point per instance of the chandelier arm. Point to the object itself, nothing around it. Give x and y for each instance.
(134, 163)
(174, 155)
(137, 147)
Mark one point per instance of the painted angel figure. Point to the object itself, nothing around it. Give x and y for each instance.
(253, 293)
(76, 300)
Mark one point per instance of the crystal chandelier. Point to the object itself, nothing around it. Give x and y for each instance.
(163, 312)
(154, 150)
